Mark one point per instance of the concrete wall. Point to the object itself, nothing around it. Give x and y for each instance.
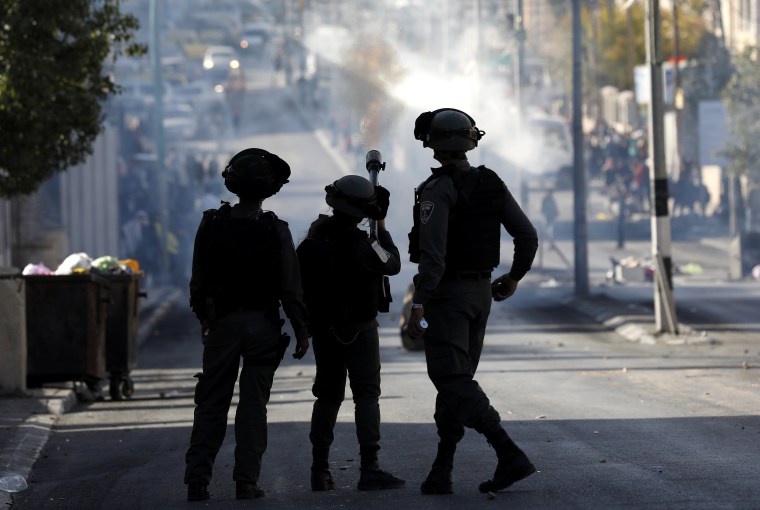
(12, 332)
(90, 201)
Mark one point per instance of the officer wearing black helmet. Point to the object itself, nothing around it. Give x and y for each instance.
(458, 214)
(244, 267)
(342, 271)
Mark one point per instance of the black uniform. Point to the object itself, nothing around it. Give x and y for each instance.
(342, 278)
(459, 217)
(244, 267)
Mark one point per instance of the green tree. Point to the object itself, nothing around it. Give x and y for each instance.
(53, 83)
(620, 43)
(742, 96)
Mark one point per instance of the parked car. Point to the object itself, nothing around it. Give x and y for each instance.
(255, 37)
(180, 122)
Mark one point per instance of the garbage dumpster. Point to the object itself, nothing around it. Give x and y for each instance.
(66, 328)
(121, 332)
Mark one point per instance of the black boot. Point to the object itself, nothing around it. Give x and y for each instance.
(321, 476)
(438, 480)
(247, 490)
(372, 477)
(197, 491)
(513, 464)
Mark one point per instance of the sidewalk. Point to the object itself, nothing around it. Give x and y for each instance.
(25, 422)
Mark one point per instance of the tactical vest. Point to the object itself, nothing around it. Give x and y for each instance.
(474, 229)
(242, 261)
(347, 292)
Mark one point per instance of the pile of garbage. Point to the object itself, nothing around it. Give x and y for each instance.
(81, 263)
(642, 269)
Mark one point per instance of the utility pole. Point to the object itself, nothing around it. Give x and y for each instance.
(520, 62)
(580, 226)
(519, 70)
(155, 60)
(664, 303)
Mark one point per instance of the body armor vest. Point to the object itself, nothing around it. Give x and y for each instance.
(243, 264)
(347, 292)
(474, 221)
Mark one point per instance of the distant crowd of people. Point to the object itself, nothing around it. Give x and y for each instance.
(620, 162)
(192, 185)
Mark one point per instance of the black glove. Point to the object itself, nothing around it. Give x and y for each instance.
(503, 287)
(383, 200)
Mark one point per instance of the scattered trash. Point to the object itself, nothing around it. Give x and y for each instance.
(74, 263)
(746, 366)
(540, 417)
(12, 483)
(691, 269)
(37, 269)
(756, 272)
(490, 495)
(631, 269)
(169, 394)
(603, 461)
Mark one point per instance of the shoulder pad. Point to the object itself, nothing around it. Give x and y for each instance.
(488, 172)
(432, 183)
(271, 216)
(223, 210)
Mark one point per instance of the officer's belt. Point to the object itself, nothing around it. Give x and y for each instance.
(466, 275)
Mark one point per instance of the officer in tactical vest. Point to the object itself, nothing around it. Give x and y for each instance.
(342, 270)
(458, 214)
(244, 267)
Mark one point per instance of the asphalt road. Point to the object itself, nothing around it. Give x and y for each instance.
(609, 424)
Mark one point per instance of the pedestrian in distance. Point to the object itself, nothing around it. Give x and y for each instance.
(550, 212)
(458, 214)
(343, 270)
(244, 268)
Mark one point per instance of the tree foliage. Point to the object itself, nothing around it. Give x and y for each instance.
(742, 96)
(53, 83)
(619, 45)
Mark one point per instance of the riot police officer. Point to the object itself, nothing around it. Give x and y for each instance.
(244, 267)
(458, 214)
(342, 270)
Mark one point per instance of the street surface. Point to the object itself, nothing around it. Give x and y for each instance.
(609, 423)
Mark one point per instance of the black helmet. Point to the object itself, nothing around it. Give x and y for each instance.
(255, 173)
(355, 196)
(448, 130)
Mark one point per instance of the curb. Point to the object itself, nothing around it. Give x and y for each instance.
(633, 322)
(43, 406)
(30, 436)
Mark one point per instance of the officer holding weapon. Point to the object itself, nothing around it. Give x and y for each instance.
(344, 287)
